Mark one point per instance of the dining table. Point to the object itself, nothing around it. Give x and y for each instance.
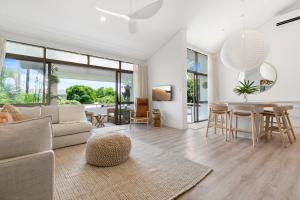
(245, 123)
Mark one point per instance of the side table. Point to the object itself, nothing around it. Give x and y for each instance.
(156, 119)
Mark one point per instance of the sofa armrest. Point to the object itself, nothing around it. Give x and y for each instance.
(28, 177)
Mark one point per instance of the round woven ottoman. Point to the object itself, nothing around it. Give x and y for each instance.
(107, 151)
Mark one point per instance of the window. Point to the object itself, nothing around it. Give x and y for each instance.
(23, 49)
(127, 87)
(197, 62)
(24, 79)
(66, 56)
(197, 86)
(201, 63)
(101, 62)
(22, 82)
(127, 66)
(84, 85)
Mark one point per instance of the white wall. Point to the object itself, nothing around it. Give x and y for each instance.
(168, 67)
(284, 54)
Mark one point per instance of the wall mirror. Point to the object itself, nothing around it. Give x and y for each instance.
(264, 76)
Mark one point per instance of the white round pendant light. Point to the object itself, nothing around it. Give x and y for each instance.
(244, 50)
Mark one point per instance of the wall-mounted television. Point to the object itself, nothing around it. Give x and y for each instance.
(162, 93)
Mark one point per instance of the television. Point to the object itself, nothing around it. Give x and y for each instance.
(162, 93)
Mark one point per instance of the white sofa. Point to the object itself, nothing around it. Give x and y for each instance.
(69, 123)
(26, 160)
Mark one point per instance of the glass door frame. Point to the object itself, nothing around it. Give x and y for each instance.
(118, 89)
(196, 95)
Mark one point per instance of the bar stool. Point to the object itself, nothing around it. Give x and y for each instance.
(278, 121)
(243, 111)
(266, 119)
(217, 110)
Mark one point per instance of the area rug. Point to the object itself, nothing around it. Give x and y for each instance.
(150, 174)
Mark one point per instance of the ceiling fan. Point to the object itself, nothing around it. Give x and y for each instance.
(144, 13)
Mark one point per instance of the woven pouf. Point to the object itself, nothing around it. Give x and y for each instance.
(107, 151)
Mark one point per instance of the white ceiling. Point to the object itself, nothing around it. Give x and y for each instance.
(77, 23)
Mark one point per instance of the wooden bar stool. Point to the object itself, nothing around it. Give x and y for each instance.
(266, 119)
(278, 121)
(218, 118)
(243, 111)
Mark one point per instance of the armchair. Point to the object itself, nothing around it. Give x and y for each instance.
(141, 114)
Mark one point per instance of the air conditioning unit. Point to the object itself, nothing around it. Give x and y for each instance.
(288, 17)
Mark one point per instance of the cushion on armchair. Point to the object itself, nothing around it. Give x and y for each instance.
(142, 107)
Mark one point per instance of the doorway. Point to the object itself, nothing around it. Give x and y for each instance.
(197, 87)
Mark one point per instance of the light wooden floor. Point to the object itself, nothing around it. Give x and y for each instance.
(240, 172)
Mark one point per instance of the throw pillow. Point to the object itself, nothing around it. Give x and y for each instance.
(5, 117)
(14, 112)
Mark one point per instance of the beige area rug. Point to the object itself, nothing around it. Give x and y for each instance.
(150, 174)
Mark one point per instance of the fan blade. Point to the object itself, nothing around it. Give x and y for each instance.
(147, 11)
(113, 13)
(133, 26)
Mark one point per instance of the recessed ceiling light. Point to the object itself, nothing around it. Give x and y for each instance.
(103, 19)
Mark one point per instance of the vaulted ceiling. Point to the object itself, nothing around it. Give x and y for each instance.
(77, 22)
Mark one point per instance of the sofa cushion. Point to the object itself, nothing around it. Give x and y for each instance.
(51, 111)
(69, 128)
(25, 137)
(31, 112)
(71, 113)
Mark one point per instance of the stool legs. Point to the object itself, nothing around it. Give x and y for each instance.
(208, 123)
(253, 134)
(290, 125)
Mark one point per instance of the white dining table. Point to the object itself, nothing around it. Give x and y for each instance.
(245, 123)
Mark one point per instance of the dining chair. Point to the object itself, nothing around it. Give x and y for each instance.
(243, 111)
(218, 117)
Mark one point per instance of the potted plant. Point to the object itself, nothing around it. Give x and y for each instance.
(246, 87)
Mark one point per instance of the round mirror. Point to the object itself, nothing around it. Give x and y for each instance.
(264, 76)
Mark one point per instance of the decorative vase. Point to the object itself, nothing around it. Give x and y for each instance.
(245, 98)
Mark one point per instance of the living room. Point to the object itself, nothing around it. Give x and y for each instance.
(152, 99)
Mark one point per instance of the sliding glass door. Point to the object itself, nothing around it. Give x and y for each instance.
(197, 87)
(125, 93)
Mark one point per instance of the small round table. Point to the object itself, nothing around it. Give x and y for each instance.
(100, 120)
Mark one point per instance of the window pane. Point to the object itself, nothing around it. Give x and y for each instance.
(21, 82)
(202, 63)
(66, 56)
(203, 111)
(191, 60)
(127, 66)
(203, 88)
(95, 87)
(127, 87)
(22, 49)
(104, 62)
